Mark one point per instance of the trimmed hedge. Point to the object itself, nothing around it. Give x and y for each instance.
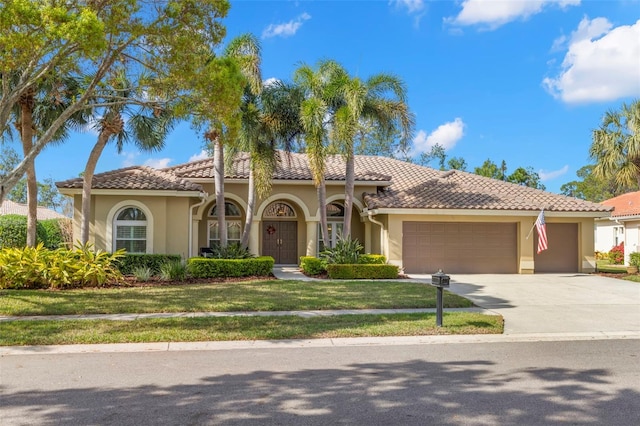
(129, 262)
(13, 232)
(360, 271)
(372, 259)
(312, 265)
(202, 267)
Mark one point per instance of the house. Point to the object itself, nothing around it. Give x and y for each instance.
(622, 226)
(420, 218)
(9, 207)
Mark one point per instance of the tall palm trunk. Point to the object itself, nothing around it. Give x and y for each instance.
(218, 175)
(322, 201)
(89, 170)
(348, 195)
(251, 201)
(26, 135)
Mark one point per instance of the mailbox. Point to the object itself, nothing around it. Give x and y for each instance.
(440, 279)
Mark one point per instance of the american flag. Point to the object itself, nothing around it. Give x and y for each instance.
(541, 226)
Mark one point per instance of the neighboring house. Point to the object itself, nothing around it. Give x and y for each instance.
(9, 207)
(623, 226)
(420, 218)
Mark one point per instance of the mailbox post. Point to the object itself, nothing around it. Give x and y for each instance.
(439, 280)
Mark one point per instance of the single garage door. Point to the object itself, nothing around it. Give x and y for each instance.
(459, 247)
(562, 252)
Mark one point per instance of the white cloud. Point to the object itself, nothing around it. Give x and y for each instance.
(601, 64)
(270, 81)
(129, 158)
(545, 176)
(494, 13)
(199, 156)
(157, 163)
(286, 29)
(412, 6)
(446, 135)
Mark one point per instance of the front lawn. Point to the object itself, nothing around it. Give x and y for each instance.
(242, 328)
(261, 295)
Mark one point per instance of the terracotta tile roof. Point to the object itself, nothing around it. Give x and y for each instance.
(423, 187)
(625, 204)
(292, 166)
(412, 186)
(136, 177)
(9, 207)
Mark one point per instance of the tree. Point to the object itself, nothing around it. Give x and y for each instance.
(491, 170)
(457, 163)
(615, 146)
(435, 153)
(314, 110)
(526, 177)
(382, 99)
(147, 125)
(169, 39)
(220, 111)
(592, 188)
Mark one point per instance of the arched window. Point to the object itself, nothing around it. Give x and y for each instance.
(279, 209)
(335, 225)
(130, 230)
(233, 220)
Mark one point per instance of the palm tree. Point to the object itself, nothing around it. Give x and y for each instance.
(319, 87)
(244, 53)
(380, 99)
(615, 146)
(269, 121)
(147, 125)
(36, 109)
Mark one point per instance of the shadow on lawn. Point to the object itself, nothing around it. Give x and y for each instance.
(413, 392)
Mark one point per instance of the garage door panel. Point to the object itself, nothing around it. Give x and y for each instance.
(562, 252)
(460, 247)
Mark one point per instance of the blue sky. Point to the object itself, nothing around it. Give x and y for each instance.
(520, 81)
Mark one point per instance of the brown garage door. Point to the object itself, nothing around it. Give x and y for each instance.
(459, 247)
(562, 252)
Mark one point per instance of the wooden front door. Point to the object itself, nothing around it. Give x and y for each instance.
(280, 241)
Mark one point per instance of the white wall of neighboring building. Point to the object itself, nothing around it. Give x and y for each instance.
(632, 239)
(608, 234)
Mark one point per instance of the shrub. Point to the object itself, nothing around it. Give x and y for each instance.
(346, 251)
(634, 259)
(312, 265)
(616, 255)
(202, 267)
(231, 251)
(362, 271)
(52, 233)
(154, 262)
(173, 271)
(142, 273)
(372, 259)
(37, 267)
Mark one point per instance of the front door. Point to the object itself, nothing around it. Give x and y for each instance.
(280, 241)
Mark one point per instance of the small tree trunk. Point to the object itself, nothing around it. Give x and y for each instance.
(89, 170)
(218, 173)
(26, 135)
(251, 201)
(348, 196)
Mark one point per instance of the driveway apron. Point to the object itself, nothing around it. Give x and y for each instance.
(555, 303)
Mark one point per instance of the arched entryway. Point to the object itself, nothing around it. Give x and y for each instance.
(280, 233)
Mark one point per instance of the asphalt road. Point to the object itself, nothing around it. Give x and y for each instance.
(593, 382)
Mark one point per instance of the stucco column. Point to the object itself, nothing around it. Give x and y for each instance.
(527, 264)
(312, 238)
(195, 243)
(254, 237)
(367, 237)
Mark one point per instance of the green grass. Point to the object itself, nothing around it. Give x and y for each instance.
(606, 267)
(241, 328)
(264, 295)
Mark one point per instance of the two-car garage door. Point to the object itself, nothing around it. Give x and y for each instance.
(459, 247)
(483, 248)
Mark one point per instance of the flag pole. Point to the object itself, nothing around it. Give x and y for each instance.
(534, 224)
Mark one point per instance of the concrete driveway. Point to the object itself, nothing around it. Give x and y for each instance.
(555, 303)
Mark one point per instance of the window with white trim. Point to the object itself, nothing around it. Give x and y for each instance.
(130, 230)
(335, 225)
(234, 225)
